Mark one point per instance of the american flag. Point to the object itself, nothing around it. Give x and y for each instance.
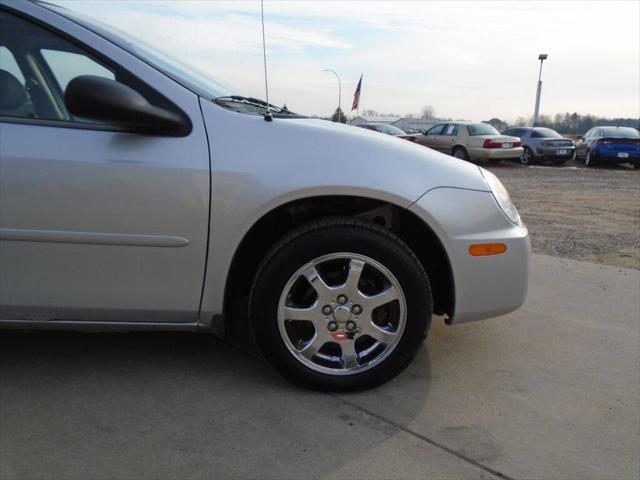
(356, 96)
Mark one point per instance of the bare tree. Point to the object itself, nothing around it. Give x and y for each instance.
(427, 112)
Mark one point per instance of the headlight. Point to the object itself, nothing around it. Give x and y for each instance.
(502, 196)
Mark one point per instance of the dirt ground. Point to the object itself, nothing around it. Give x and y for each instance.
(586, 214)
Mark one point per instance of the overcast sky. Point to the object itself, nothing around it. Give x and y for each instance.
(471, 60)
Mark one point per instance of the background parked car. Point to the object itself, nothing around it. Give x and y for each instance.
(390, 130)
(542, 144)
(609, 145)
(472, 141)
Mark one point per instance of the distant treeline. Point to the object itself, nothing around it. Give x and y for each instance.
(568, 123)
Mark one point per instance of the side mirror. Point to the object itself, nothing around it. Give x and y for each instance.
(580, 137)
(108, 101)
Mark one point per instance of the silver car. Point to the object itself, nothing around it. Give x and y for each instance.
(542, 144)
(136, 194)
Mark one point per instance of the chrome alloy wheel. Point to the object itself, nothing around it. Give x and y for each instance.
(342, 313)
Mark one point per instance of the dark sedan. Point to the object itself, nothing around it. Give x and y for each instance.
(609, 145)
(390, 130)
(542, 144)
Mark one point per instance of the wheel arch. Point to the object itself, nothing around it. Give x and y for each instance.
(459, 145)
(280, 220)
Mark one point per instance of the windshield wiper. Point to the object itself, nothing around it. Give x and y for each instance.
(256, 102)
(236, 102)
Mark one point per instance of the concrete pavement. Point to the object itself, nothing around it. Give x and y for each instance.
(550, 391)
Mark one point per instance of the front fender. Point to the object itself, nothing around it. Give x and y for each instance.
(483, 286)
(257, 166)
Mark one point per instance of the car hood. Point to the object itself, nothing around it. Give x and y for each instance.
(388, 153)
(322, 157)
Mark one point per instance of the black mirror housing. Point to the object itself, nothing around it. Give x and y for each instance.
(114, 103)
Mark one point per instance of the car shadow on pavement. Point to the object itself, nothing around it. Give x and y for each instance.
(173, 405)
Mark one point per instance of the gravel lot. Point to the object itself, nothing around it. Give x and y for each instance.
(585, 214)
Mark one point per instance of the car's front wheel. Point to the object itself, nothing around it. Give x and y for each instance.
(340, 304)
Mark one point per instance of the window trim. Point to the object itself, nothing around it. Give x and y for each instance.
(101, 58)
(41, 122)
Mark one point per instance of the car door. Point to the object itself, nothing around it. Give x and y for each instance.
(95, 224)
(581, 144)
(449, 138)
(432, 136)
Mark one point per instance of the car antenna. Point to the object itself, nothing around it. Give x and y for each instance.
(267, 116)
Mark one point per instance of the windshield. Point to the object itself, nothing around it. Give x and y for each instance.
(547, 133)
(624, 132)
(186, 75)
(482, 129)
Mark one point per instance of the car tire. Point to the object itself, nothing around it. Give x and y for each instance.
(332, 249)
(527, 157)
(580, 158)
(589, 160)
(461, 153)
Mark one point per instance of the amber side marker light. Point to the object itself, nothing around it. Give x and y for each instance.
(486, 249)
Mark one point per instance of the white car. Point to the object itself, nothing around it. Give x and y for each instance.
(135, 194)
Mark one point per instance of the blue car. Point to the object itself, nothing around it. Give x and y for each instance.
(609, 145)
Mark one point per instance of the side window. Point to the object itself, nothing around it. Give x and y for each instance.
(536, 134)
(451, 130)
(65, 66)
(437, 130)
(8, 64)
(36, 66)
(14, 99)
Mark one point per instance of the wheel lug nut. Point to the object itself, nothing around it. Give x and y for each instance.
(332, 326)
(350, 326)
(342, 299)
(326, 310)
(356, 309)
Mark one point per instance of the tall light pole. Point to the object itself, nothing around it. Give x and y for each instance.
(339, 92)
(542, 57)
